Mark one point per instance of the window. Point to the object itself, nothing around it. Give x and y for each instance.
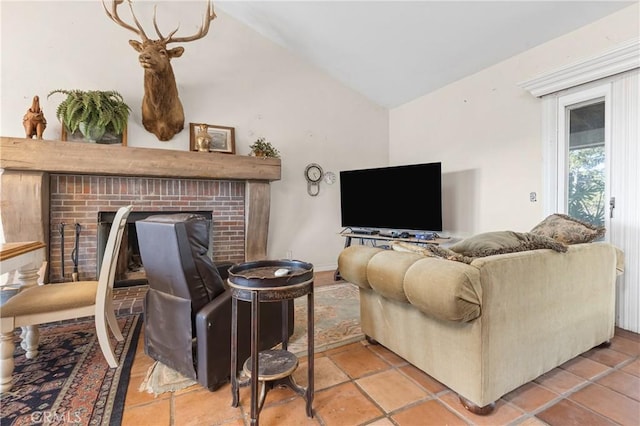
(586, 163)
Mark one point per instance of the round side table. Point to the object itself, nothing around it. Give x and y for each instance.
(256, 282)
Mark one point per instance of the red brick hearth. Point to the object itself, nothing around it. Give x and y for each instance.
(79, 198)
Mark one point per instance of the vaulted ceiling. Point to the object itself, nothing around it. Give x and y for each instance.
(395, 51)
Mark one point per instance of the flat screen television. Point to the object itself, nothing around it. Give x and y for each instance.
(405, 197)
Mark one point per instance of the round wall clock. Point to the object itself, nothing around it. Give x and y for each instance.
(330, 178)
(313, 173)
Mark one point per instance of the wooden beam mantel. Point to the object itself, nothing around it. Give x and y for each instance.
(90, 158)
(27, 163)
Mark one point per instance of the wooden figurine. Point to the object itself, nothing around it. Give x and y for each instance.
(34, 122)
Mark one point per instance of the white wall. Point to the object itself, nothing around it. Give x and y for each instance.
(232, 77)
(486, 130)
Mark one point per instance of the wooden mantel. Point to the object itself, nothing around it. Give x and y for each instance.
(26, 165)
(91, 158)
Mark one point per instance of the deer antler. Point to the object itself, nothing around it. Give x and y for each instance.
(204, 28)
(116, 18)
(155, 25)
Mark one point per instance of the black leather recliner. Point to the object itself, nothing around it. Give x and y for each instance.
(187, 309)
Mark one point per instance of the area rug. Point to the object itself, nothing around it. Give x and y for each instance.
(70, 382)
(336, 323)
(161, 379)
(336, 318)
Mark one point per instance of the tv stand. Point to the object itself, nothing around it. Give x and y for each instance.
(379, 237)
(374, 238)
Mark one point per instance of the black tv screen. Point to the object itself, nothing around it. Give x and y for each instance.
(399, 198)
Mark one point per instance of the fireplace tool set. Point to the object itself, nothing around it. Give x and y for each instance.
(74, 252)
(61, 231)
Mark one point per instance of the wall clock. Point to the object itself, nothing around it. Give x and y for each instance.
(314, 174)
(330, 178)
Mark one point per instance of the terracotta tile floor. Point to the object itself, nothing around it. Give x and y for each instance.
(362, 384)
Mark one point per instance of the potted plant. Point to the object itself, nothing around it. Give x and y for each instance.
(93, 112)
(262, 148)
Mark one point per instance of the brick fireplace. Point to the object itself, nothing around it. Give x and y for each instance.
(80, 199)
(45, 183)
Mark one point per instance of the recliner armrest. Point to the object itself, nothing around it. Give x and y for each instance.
(213, 333)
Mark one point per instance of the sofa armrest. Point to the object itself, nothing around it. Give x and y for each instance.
(619, 261)
(555, 306)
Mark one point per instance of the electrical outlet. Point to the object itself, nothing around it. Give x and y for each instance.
(533, 197)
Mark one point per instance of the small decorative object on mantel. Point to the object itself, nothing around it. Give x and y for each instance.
(94, 113)
(33, 121)
(203, 139)
(220, 138)
(262, 148)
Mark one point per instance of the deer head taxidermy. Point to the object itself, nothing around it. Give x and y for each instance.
(162, 112)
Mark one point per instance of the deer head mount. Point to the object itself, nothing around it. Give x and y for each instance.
(162, 112)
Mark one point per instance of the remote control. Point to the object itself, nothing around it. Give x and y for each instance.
(281, 272)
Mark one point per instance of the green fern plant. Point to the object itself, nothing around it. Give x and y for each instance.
(95, 108)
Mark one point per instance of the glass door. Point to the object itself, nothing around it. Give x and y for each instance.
(592, 171)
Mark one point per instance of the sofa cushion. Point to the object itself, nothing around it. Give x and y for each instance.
(353, 261)
(568, 230)
(386, 271)
(445, 290)
(500, 242)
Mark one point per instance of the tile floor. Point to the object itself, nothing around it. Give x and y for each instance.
(362, 384)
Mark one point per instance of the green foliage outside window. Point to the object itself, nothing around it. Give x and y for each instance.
(586, 184)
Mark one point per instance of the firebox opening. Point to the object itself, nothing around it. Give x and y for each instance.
(129, 269)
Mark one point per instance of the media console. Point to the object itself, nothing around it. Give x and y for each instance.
(380, 237)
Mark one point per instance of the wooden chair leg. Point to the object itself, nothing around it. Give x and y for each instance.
(6, 361)
(103, 340)
(113, 322)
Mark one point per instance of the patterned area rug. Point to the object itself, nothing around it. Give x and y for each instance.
(70, 382)
(336, 318)
(337, 323)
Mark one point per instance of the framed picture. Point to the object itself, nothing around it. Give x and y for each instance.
(222, 138)
(107, 139)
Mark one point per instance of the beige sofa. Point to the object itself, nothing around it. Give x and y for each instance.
(490, 326)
